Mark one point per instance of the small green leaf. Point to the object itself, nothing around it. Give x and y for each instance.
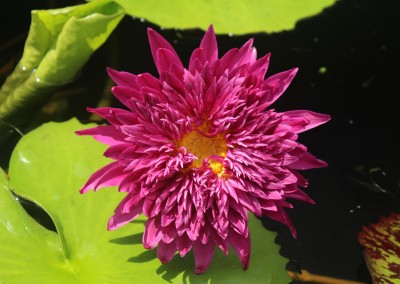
(48, 166)
(59, 43)
(227, 16)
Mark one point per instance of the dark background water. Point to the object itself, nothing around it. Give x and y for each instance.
(348, 59)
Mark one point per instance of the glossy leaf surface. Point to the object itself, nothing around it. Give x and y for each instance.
(227, 16)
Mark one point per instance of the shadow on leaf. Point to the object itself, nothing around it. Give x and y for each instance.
(169, 271)
(144, 256)
(128, 240)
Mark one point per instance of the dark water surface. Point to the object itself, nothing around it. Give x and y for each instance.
(348, 59)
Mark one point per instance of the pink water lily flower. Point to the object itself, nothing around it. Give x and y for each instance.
(198, 149)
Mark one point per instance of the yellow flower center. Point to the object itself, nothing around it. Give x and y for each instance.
(204, 148)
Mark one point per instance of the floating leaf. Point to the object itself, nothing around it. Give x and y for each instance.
(59, 43)
(28, 252)
(227, 16)
(381, 244)
(48, 166)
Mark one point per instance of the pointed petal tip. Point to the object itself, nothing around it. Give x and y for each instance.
(153, 35)
(111, 226)
(150, 31)
(248, 44)
(323, 163)
(111, 72)
(158, 42)
(327, 117)
(109, 69)
(87, 131)
(208, 47)
(246, 261)
(211, 29)
(292, 229)
(91, 109)
(321, 117)
(83, 190)
(294, 71)
(268, 55)
(163, 260)
(294, 233)
(199, 270)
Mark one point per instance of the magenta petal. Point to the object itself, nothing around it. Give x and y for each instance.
(241, 246)
(169, 234)
(165, 252)
(110, 175)
(106, 134)
(127, 210)
(165, 59)
(112, 115)
(196, 151)
(253, 57)
(196, 61)
(184, 244)
(157, 42)
(114, 151)
(209, 45)
(152, 233)
(174, 81)
(245, 54)
(126, 94)
(300, 195)
(281, 216)
(259, 68)
(302, 120)
(229, 59)
(239, 224)
(307, 161)
(276, 85)
(203, 254)
(148, 80)
(122, 78)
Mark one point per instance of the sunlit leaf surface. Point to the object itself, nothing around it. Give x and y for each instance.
(227, 16)
(48, 166)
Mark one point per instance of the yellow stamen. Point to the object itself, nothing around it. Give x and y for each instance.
(203, 147)
(217, 167)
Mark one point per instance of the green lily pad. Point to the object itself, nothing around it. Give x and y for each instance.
(48, 166)
(29, 253)
(227, 16)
